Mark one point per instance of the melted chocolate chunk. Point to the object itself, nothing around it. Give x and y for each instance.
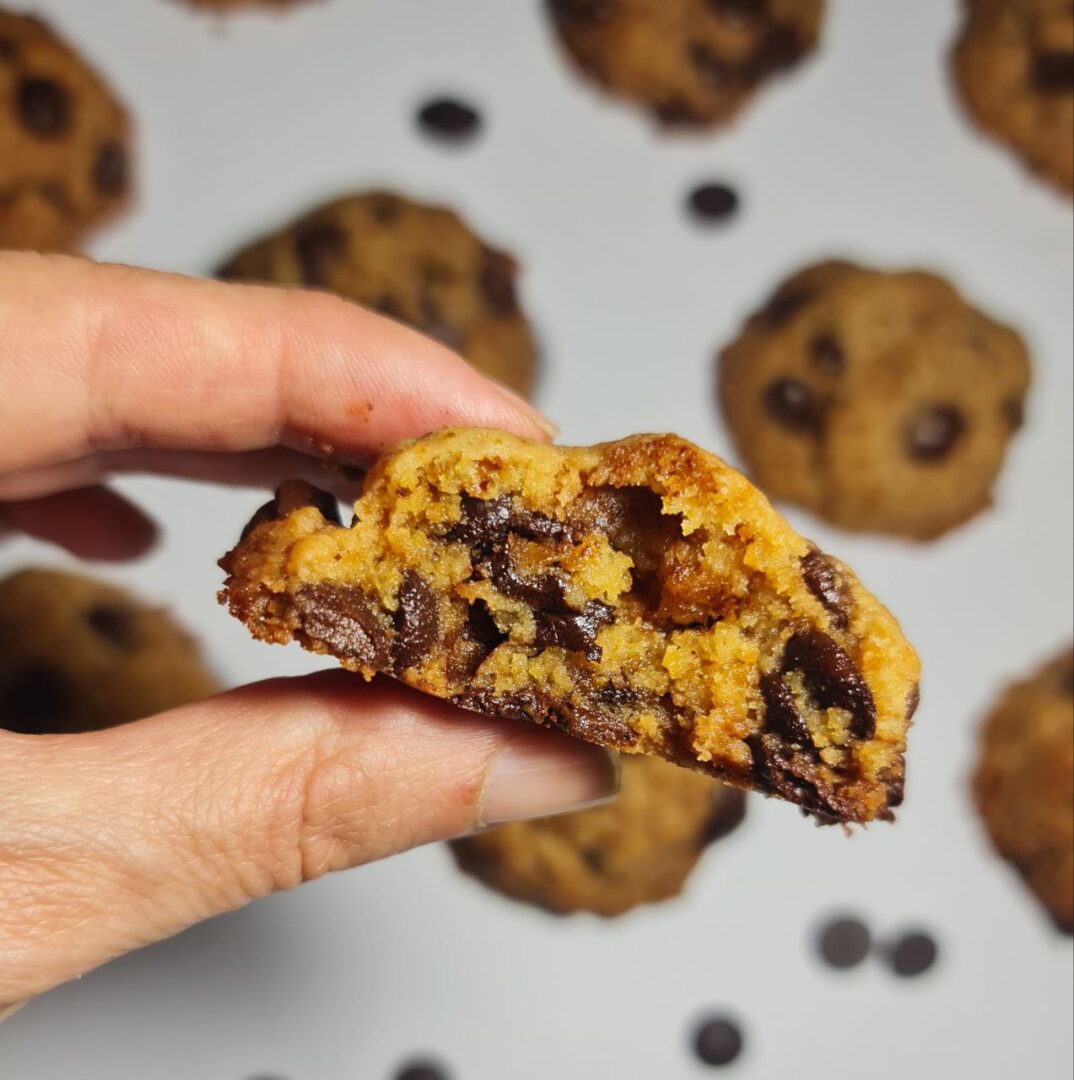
(1053, 72)
(449, 120)
(827, 354)
(44, 107)
(317, 247)
(417, 622)
(485, 523)
(832, 679)
(116, 624)
(781, 715)
(785, 304)
(110, 169)
(713, 202)
(480, 637)
(497, 282)
(582, 10)
(792, 404)
(575, 631)
(933, 432)
(715, 71)
(290, 496)
(345, 620)
(740, 12)
(1014, 413)
(39, 700)
(912, 954)
(794, 778)
(824, 581)
(844, 943)
(718, 1041)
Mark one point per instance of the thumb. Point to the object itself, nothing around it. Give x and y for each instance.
(114, 840)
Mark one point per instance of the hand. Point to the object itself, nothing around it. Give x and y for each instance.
(113, 840)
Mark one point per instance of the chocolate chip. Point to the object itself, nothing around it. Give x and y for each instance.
(422, 1070)
(781, 714)
(417, 622)
(844, 943)
(575, 631)
(496, 280)
(1014, 413)
(794, 778)
(741, 12)
(480, 637)
(832, 679)
(116, 624)
(389, 306)
(1053, 72)
(385, 208)
(827, 354)
(913, 700)
(677, 112)
(449, 120)
(792, 404)
(713, 202)
(912, 954)
(39, 700)
(317, 247)
(780, 48)
(486, 522)
(785, 304)
(827, 584)
(718, 1041)
(931, 434)
(7, 49)
(110, 169)
(44, 107)
(294, 495)
(582, 10)
(715, 71)
(345, 620)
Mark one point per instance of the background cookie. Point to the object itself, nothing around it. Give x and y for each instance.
(639, 849)
(1024, 784)
(79, 655)
(416, 263)
(232, 5)
(64, 140)
(689, 62)
(1014, 66)
(881, 401)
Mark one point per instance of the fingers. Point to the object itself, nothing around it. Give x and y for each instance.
(114, 840)
(106, 358)
(93, 523)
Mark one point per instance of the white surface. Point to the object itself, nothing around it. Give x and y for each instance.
(244, 123)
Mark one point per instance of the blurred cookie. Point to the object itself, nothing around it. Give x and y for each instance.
(234, 5)
(78, 655)
(1014, 66)
(689, 62)
(639, 849)
(64, 140)
(416, 263)
(1024, 784)
(880, 401)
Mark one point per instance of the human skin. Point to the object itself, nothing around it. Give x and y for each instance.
(113, 840)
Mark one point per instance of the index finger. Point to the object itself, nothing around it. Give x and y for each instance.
(103, 358)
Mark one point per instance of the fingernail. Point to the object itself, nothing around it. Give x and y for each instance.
(539, 775)
(516, 399)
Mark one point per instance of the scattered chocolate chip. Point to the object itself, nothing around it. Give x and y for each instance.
(718, 1041)
(931, 434)
(575, 631)
(317, 247)
(781, 714)
(793, 404)
(825, 582)
(44, 107)
(110, 169)
(1014, 413)
(740, 12)
(422, 1070)
(715, 71)
(827, 354)
(582, 10)
(913, 700)
(713, 202)
(785, 304)
(344, 619)
(832, 679)
(39, 700)
(116, 624)
(1053, 72)
(449, 120)
(912, 954)
(417, 622)
(844, 943)
(497, 282)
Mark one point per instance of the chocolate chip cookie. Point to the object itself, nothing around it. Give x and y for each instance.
(420, 264)
(1024, 783)
(641, 595)
(64, 140)
(78, 655)
(688, 62)
(881, 401)
(639, 849)
(1014, 67)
